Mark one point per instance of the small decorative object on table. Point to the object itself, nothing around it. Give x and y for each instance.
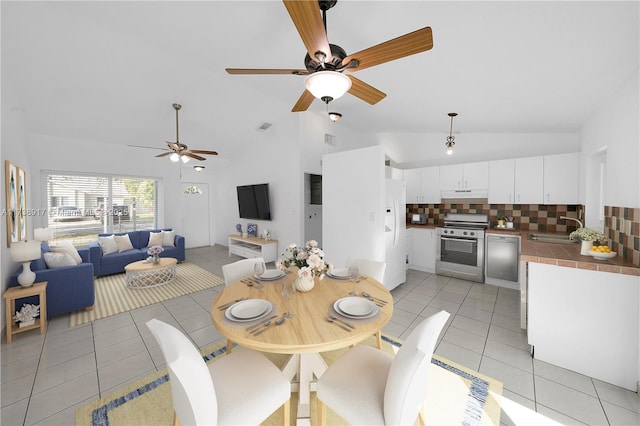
(252, 229)
(588, 237)
(154, 252)
(239, 228)
(27, 315)
(266, 234)
(310, 262)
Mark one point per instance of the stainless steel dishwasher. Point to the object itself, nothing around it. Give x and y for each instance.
(502, 260)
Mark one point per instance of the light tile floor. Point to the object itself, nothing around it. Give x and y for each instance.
(46, 378)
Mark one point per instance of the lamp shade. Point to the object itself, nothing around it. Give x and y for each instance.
(25, 251)
(43, 234)
(330, 84)
(174, 157)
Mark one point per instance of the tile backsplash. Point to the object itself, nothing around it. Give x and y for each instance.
(622, 227)
(527, 217)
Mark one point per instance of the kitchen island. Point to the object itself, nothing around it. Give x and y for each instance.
(582, 314)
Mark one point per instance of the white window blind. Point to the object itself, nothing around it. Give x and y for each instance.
(81, 206)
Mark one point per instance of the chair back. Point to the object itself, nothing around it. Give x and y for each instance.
(373, 268)
(237, 270)
(192, 391)
(408, 379)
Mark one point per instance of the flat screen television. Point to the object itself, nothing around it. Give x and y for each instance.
(253, 201)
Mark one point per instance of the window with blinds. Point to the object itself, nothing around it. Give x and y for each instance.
(82, 206)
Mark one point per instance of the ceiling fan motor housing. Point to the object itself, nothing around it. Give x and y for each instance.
(337, 53)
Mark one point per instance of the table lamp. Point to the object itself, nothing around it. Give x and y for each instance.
(25, 252)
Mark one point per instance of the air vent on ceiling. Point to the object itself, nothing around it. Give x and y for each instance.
(263, 127)
(329, 139)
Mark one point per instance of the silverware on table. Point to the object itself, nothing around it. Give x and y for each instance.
(264, 322)
(276, 323)
(329, 319)
(348, 324)
(227, 305)
(367, 295)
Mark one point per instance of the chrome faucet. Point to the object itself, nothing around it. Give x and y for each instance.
(576, 220)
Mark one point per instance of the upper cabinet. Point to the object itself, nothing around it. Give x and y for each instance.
(467, 176)
(561, 178)
(516, 181)
(422, 185)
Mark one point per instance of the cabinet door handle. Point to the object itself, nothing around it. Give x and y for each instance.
(548, 197)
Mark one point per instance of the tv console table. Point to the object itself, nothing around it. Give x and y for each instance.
(253, 247)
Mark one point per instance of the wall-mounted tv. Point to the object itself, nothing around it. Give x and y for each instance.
(253, 201)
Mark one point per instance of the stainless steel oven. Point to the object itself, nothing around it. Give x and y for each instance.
(460, 248)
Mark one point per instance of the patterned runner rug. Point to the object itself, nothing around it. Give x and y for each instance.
(113, 296)
(458, 396)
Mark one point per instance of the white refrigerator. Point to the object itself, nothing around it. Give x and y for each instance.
(363, 213)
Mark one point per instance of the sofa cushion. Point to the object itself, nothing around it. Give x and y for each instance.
(68, 249)
(58, 260)
(155, 239)
(168, 238)
(123, 242)
(108, 244)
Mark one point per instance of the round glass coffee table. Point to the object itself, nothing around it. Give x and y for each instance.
(143, 274)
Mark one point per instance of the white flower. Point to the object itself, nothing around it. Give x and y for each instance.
(27, 313)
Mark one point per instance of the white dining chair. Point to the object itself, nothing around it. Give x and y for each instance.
(235, 271)
(240, 389)
(366, 386)
(374, 269)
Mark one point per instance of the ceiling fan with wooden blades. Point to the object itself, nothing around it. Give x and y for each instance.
(325, 61)
(179, 151)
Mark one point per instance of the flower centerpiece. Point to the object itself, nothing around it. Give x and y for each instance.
(155, 251)
(588, 237)
(27, 314)
(309, 260)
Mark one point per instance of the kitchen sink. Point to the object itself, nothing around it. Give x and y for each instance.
(551, 238)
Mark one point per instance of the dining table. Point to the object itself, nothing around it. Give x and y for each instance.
(306, 331)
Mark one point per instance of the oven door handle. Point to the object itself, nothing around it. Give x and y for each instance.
(471, 240)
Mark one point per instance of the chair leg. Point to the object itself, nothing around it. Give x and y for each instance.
(286, 412)
(421, 420)
(89, 308)
(176, 422)
(379, 339)
(321, 413)
(229, 346)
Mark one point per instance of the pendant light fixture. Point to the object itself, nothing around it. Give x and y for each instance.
(450, 139)
(335, 116)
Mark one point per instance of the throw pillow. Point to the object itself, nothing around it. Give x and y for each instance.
(58, 260)
(68, 249)
(123, 242)
(108, 245)
(155, 239)
(168, 238)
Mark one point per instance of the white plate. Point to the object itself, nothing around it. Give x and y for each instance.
(355, 307)
(602, 256)
(339, 273)
(271, 274)
(248, 310)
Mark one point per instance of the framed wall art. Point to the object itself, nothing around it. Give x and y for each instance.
(11, 191)
(22, 204)
(252, 229)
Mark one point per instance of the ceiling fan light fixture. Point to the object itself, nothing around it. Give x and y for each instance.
(174, 157)
(328, 85)
(198, 168)
(335, 116)
(184, 159)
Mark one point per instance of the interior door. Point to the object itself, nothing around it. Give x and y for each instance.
(195, 214)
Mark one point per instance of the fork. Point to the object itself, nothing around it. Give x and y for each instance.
(332, 321)
(348, 324)
(226, 305)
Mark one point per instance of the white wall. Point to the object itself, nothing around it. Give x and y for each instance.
(615, 125)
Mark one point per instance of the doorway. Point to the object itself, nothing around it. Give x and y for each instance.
(195, 214)
(313, 207)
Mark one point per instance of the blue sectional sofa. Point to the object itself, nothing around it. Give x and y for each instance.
(69, 288)
(114, 263)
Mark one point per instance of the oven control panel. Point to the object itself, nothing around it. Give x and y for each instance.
(461, 233)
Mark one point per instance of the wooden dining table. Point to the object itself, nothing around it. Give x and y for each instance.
(307, 333)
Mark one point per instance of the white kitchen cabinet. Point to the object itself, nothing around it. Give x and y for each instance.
(468, 176)
(501, 181)
(516, 181)
(528, 180)
(561, 178)
(423, 249)
(423, 185)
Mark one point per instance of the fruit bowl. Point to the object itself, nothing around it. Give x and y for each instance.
(602, 255)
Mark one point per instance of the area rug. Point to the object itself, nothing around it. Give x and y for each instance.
(114, 297)
(458, 396)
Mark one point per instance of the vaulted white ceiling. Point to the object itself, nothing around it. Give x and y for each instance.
(109, 71)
